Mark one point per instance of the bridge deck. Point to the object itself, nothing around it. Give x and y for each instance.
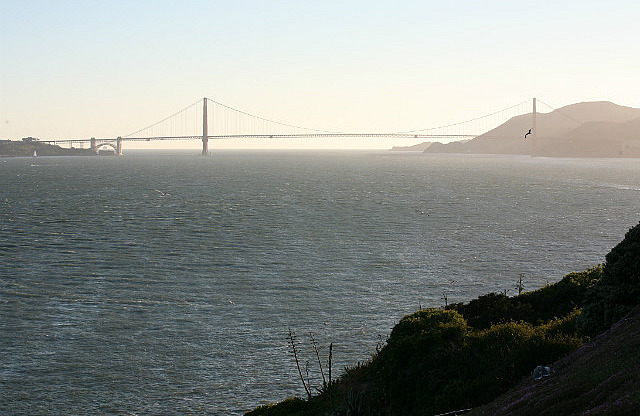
(272, 136)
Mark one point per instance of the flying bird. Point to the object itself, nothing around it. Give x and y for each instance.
(162, 193)
(527, 133)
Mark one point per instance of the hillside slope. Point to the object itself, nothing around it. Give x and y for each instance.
(602, 129)
(600, 378)
(420, 147)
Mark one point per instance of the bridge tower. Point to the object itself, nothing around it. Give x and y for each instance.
(534, 130)
(205, 133)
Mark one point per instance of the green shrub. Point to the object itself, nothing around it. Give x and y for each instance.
(559, 299)
(414, 361)
(434, 362)
(486, 310)
(501, 355)
(289, 407)
(547, 303)
(430, 323)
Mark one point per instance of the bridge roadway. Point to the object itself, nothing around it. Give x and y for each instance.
(306, 136)
(116, 143)
(270, 136)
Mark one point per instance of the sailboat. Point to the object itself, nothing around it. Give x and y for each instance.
(35, 154)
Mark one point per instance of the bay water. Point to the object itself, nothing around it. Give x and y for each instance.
(166, 283)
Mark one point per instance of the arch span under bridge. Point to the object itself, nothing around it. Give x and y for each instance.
(232, 124)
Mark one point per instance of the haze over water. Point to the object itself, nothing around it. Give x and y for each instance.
(166, 282)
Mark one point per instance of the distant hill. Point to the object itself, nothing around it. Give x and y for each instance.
(27, 148)
(589, 129)
(415, 148)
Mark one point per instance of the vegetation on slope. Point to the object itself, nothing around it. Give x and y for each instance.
(618, 291)
(466, 355)
(550, 302)
(600, 378)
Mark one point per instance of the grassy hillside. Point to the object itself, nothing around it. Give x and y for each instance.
(600, 378)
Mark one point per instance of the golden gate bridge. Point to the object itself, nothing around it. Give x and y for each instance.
(231, 123)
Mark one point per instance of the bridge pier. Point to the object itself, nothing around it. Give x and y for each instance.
(205, 146)
(94, 145)
(205, 133)
(119, 146)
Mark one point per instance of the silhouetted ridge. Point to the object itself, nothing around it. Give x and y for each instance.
(588, 129)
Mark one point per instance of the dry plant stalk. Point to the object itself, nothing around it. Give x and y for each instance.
(295, 355)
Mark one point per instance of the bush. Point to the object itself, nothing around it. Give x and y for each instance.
(547, 303)
(498, 357)
(486, 310)
(434, 362)
(289, 407)
(413, 364)
(429, 323)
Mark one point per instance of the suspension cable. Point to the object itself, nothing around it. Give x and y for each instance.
(466, 121)
(562, 112)
(163, 120)
(271, 121)
(332, 131)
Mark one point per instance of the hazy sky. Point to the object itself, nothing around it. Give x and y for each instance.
(88, 68)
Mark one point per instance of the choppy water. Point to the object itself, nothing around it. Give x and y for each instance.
(117, 298)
